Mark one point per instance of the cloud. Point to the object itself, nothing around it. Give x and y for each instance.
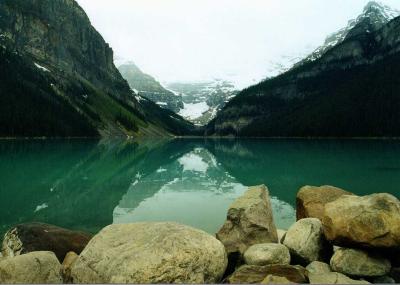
(200, 39)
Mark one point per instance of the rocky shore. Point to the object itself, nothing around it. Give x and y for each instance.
(339, 238)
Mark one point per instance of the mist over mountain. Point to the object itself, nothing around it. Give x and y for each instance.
(351, 90)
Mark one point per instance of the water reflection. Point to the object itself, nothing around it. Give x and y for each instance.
(88, 184)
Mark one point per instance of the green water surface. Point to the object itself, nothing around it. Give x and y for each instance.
(86, 185)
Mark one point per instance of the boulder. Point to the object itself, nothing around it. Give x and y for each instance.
(31, 237)
(333, 278)
(317, 267)
(306, 241)
(271, 279)
(151, 253)
(281, 235)
(355, 262)
(66, 266)
(267, 253)
(370, 221)
(249, 221)
(311, 200)
(40, 267)
(251, 274)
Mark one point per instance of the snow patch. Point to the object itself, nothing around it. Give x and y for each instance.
(194, 111)
(41, 207)
(193, 162)
(42, 68)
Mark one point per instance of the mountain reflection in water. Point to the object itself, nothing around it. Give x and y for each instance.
(87, 185)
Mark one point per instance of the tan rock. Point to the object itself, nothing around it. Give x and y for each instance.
(66, 266)
(271, 279)
(249, 221)
(354, 262)
(267, 253)
(36, 267)
(151, 253)
(251, 274)
(306, 241)
(311, 200)
(369, 221)
(333, 278)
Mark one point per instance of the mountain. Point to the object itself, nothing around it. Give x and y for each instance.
(58, 79)
(202, 100)
(351, 90)
(147, 86)
(374, 17)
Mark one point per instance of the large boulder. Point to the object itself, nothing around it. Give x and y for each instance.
(249, 221)
(151, 253)
(369, 221)
(333, 278)
(41, 267)
(253, 274)
(311, 200)
(267, 253)
(306, 241)
(31, 237)
(359, 263)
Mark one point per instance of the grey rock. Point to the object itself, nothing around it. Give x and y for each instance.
(267, 253)
(333, 278)
(249, 221)
(354, 262)
(306, 241)
(317, 267)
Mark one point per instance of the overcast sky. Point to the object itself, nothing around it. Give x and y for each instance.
(199, 39)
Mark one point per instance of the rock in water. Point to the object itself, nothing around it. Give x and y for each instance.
(249, 221)
(267, 253)
(151, 253)
(311, 200)
(333, 278)
(354, 262)
(31, 237)
(369, 221)
(306, 241)
(36, 267)
(251, 274)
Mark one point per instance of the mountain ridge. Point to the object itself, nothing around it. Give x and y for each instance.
(77, 74)
(351, 91)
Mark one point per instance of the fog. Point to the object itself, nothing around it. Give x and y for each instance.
(190, 40)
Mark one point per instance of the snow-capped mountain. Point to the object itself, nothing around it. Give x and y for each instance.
(374, 16)
(202, 100)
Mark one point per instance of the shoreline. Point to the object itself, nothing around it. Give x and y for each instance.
(203, 137)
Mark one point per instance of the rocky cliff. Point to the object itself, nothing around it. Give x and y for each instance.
(352, 90)
(147, 86)
(56, 60)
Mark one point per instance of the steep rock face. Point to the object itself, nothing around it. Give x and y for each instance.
(147, 86)
(352, 90)
(61, 79)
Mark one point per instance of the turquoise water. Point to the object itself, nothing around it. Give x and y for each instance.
(88, 184)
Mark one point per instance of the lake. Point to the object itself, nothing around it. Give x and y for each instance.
(88, 184)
